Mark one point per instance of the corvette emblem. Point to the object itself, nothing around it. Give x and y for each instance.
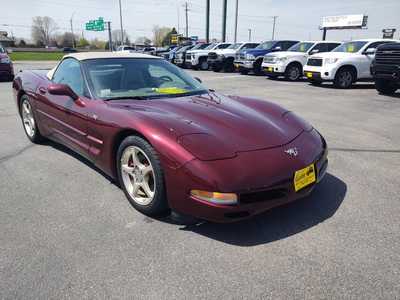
(292, 152)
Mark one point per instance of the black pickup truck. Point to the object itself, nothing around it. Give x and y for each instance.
(386, 68)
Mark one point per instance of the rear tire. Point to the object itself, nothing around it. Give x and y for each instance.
(141, 176)
(29, 121)
(385, 87)
(293, 72)
(344, 78)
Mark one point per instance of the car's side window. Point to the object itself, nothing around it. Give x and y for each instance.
(223, 46)
(375, 45)
(249, 46)
(288, 44)
(319, 48)
(69, 72)
(332, 46)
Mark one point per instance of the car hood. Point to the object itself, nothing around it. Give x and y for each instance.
(231, 124)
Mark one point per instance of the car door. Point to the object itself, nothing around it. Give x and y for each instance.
(365, 60)
(67, 118)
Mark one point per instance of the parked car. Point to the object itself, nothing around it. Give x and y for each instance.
(385, 68)
(126, 48)
(149, 50)
(172, 54)
(6, 65)
(181, 55)
(223, 59)
(290, 63)
(197, 59)
(165, 50)
(170, 142)
(251, 59)
(69, 50)
(345, 65)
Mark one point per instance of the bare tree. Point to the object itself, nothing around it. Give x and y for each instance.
(143, 41)
(116, 36)
(43, 29)
(159, 33)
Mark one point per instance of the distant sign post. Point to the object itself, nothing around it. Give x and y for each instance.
(95, 25)
(388, 33)
(343, 22)
(175, 38)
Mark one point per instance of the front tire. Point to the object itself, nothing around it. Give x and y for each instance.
(293, 72)
(385, 87)
(141, 176)
(344, 78)
(28, 121)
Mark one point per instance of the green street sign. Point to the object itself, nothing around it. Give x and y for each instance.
(95, 25)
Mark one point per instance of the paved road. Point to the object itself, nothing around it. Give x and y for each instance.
(68, 232)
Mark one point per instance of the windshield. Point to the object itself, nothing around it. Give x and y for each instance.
(183, 49)
(200, 46)
(266, 45)
(140, 78)
(210, 47)
(235, 46)
(350, 47)
(301, 47)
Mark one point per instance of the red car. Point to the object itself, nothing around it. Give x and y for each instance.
(172, 144)
(6, 66)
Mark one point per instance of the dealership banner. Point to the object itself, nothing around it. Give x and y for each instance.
(345, 21)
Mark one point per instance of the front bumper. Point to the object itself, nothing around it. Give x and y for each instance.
(244, 64)
(6, 70)
(179, 61)
(216, 62)
(324, 73)
(266, 184)
(277, 69)
(388, 72)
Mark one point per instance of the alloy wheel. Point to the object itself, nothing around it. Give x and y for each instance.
(28, 119)
(294, 73)
(345, 79)
(138, 175)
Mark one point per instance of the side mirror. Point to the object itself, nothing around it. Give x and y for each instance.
(62, 90)
(277, 48)
(314, 51)
(198, 79)
(369, 51)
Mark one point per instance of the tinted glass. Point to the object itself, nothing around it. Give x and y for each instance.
(350, 47)
(210, 47)
(69, 72)
(318, 48)
(235, 46)
(250, 46)
(301, 47)
(223, 46)
(332, 46)
(117, 78)
(376, 44)
(266, 45)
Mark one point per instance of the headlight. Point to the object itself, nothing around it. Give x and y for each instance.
(250, 56)
(5, 60)
(281, 58)
(331, 60)
(215, 197)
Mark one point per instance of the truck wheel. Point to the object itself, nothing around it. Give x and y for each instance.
(203, 64)
(385, 87)
(244, 71)
(228, 66)
(293, 72)
(257, 67)
(216, 68)
(344, 78)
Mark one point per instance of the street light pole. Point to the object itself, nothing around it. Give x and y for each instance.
(236, 19)
(249, 34)
(273, 27)
(207, 21)
(120, 19)
(224, 7)
(187, 20)
(72, 31)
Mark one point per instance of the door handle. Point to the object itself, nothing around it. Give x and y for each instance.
(42, 90)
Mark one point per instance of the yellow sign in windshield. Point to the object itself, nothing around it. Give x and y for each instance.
(170, 90)
(350, 48)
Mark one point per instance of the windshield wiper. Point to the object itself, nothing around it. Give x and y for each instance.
(127, 98)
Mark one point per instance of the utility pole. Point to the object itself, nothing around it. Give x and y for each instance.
(273, 27)
(72, 31)
(324, 34)
(249, 34)
(187, 20)
(236, 19)
(224, 6)
(120, 19)
(110, 44)
(207, 21)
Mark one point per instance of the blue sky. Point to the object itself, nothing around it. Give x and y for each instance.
(296, 19)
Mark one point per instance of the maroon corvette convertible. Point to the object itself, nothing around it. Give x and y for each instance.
(172, 144)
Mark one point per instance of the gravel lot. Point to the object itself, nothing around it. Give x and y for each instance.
(68, 232)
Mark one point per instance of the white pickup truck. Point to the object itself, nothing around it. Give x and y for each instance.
(344, 65)
(222, 59)
(197, 59)
(290, 63)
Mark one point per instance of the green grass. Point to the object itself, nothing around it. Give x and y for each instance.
(15, 56)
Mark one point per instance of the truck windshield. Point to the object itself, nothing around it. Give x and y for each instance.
(138, 78)
(266, 45)
(301, 47)
(235, 46)
(350, 47)
(210, 47)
